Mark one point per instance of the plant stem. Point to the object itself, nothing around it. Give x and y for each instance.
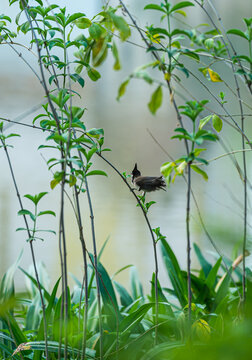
(96, 267)
(85, 277)
(189, 290)
(32, 250)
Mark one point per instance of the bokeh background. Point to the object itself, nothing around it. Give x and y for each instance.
(127, 125)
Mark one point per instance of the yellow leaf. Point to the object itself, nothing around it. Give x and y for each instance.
(156, 38)
(181, 12)
(167, 76)
(214, 76)
(53, 183)
(201, 329)
(180, 169)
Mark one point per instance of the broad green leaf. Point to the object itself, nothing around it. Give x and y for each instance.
(93, 74)
(156, 100)
(83, 23)
(238, 33)
(53, 183)
(198, 151)
(191, 54)
(96, 31)
(131, 321)
(121, 25)
(78, 78)
(181, 5)
(74, 17)
(99, 51)
(154, 7)
(27, 212)
(217, 123)
(96, 133)
(90, 153)
(204, 121)
(39, 196)
(223, 289)
(200, 171)
(174, 272)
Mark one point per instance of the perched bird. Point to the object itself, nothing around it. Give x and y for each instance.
(147, 183)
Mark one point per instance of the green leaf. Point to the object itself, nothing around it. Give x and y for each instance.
(90, 153)
(136, 286)
(143, 75)
(238, 33)
(181, 5)
(117, 64)
(206, 266)
(156, 100)
(121, 25)
(217, 123)
(174, 272)
(83, 23)
(191, 54)
(93, 74)
(154, 7)
(74, 17)
(204, 121)
(198, 151)
(96, 172)
(53, 183)
(211, 279)
(125, 297)
(40, 195)
(200, 171)
(27, 212)
(78, 78)
(108, 294)
(222, 290)
(96, 31)
(132, 320)
(96, 133)
(46, 212)
(122, 89)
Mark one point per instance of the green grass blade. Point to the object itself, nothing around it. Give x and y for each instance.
(174, 272)
(211, 279)
(125, 297)
(206, 266)
(136, 286)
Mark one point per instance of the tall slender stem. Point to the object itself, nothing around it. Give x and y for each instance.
(32, 250)
(189, 290)
(96, 267)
